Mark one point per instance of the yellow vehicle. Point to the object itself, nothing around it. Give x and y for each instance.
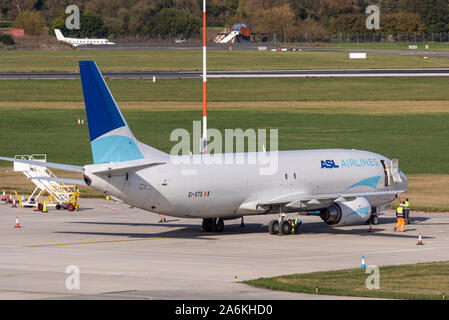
(64, 196)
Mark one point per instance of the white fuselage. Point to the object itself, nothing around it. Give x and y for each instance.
(228, 190)
(83, 42)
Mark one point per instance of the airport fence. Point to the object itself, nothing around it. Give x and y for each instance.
(363, 37)
(307, 37)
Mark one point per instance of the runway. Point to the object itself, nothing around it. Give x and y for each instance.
(124, 253)
(337, 73)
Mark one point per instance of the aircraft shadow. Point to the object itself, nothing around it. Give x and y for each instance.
(192, 231)
(317, 228)
(394, 220)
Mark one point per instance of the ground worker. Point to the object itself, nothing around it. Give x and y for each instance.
(407, 211)
(162, 218)
(400, 217)
(296, 223)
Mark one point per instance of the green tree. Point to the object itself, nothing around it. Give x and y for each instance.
(6, 39)
(402, 22)
(278, 20)
(434, 13)
(350, 23)
(139, 18)
(388, 6)
(91, 25)
(171, 21)
(31, 21)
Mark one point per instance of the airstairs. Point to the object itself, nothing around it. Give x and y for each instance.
(227, 37)
(42, 178)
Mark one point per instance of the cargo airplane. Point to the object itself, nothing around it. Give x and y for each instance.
(81, 42)
(342, 187)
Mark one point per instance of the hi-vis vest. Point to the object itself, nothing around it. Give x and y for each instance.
(407, 204)
(400, 212)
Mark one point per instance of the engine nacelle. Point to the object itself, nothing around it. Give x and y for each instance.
(354, 212)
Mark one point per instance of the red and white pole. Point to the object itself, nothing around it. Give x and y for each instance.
(204, 139)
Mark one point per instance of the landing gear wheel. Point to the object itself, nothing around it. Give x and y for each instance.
(58, 207)
(285, 227)
(273, 227)
(374, 220)
(220, 225)
(207, 225)
(71, 207)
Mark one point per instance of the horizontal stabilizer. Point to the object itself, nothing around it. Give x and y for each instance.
(65, 167)
(120, 168)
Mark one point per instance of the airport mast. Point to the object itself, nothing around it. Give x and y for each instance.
(204, 139)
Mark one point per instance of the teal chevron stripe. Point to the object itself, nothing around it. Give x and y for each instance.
(369, 182)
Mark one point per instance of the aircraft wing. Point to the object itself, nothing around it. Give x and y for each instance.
(313, 201)
(303, 201)
(65, 167)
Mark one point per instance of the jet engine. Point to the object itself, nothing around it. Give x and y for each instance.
(354, 212)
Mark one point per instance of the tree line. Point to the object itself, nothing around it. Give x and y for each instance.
(290, 17)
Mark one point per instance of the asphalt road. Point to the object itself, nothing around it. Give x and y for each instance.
(338, 73)
(124, 253)
(169, 45)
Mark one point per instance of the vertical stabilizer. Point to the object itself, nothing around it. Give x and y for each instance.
(110, 137)
(59, 35)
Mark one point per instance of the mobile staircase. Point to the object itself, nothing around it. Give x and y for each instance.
(60, 194)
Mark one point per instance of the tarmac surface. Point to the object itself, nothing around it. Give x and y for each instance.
(337, 73)
(124, 253)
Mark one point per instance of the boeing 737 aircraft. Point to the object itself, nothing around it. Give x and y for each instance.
(343, 187)
(81, 42)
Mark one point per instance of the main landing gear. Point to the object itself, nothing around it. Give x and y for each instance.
(213, 225)
(284, 226)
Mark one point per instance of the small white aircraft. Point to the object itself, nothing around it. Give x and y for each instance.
(81, 42)
(342, 187)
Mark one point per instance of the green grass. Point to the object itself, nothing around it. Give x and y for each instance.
(419, 140)
(236, 89)
(416, 281)
(175, 60)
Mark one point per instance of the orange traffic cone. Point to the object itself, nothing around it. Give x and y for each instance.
(419, 240)
(79, 121)
(36, 207)
(4, 195)
(14, 204)
(370, 227)
(17, 223)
